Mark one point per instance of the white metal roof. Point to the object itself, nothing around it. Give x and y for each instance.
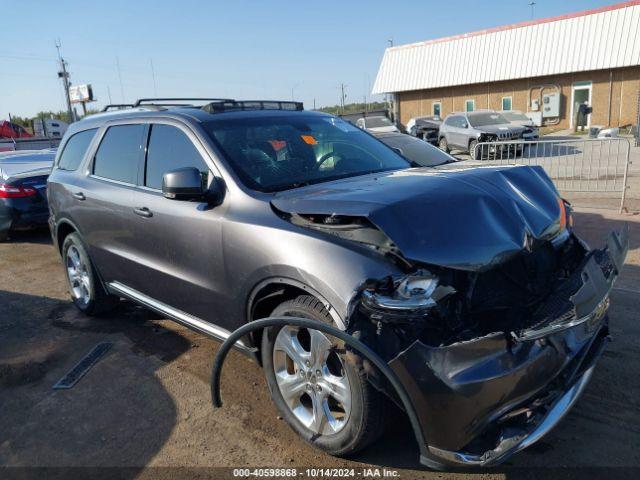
(603, 38)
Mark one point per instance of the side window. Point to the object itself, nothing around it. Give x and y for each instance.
(450, 121)
(74, 150)
(118, 154)
(170, 148)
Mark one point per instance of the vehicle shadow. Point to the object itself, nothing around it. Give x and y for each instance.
(118, 414)
(38, 235)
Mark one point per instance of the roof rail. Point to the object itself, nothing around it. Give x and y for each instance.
(220, 106)
(117, 106)
(176, 102)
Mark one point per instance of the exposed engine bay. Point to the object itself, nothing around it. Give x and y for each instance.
(443, 306)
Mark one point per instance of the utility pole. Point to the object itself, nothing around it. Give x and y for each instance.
(532, 4)
(343, 96)
(64, 75)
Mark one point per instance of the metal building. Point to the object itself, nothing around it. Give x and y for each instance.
(546, 67)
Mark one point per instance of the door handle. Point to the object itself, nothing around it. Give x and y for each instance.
(143, 212)
(79, 196)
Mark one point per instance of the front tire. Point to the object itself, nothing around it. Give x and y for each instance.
(473, 150)
(443, 145)
(86, 289)
(320, 390)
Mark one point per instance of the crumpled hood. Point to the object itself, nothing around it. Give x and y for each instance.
(467, 219)
(503, 128)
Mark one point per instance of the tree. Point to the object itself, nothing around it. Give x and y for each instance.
(354, 108)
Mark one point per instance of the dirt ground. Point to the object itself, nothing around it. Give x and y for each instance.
(147, 402)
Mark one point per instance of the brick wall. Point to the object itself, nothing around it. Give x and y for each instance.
(623, 83)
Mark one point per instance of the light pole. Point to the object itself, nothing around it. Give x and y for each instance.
(532, 5)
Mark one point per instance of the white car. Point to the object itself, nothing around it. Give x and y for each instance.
(378, 124)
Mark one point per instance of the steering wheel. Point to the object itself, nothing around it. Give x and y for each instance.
(326, 157)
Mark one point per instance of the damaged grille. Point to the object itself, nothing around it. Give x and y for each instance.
(532, 288)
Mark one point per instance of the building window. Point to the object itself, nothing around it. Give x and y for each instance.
(436, 108)
(470, 105)
(506, 103)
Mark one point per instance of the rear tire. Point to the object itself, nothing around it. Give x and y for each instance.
(87, 292)
(444, 145)
(356, 422)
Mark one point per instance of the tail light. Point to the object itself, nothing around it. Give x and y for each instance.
(16, 191)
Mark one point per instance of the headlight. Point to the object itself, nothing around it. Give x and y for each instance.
(410, 293)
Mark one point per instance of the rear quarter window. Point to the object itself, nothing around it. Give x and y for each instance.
(119, 153)
(75, 149)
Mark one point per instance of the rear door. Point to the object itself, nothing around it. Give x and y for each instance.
(178, 250)
(106, 200)
(458, 131)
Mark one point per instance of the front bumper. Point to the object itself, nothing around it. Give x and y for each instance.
(480, 401)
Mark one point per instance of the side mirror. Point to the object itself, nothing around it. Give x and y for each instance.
(183, 184)
(465, 125)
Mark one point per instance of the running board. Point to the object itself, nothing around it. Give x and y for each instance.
(178, 316)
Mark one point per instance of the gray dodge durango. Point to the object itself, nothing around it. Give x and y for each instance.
(468, 283)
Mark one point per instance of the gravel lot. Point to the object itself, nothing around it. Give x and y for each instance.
(147, 402)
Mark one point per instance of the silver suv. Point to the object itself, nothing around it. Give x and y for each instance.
(463, 131)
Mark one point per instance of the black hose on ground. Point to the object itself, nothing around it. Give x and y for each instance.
(354, 343)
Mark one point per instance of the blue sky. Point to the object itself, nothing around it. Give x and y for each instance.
(239, 49)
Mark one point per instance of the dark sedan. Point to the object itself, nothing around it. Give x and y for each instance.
(23, 183)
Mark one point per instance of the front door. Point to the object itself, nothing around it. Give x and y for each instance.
(179, 251)
(580, 94)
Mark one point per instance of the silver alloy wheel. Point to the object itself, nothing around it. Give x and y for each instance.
(78, 276)
(312, 380)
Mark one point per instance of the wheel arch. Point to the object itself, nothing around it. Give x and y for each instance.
(271, 292)
(63, 229)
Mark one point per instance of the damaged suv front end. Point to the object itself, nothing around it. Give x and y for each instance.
(495, 335)
(482, 395)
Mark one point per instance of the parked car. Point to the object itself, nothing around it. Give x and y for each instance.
(425, 128)
(418, 152)
(23, 181)
(463, 131)
(516, 117)
(470, 283)
(376, 123)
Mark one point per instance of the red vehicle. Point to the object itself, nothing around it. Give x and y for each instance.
(12, 130)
